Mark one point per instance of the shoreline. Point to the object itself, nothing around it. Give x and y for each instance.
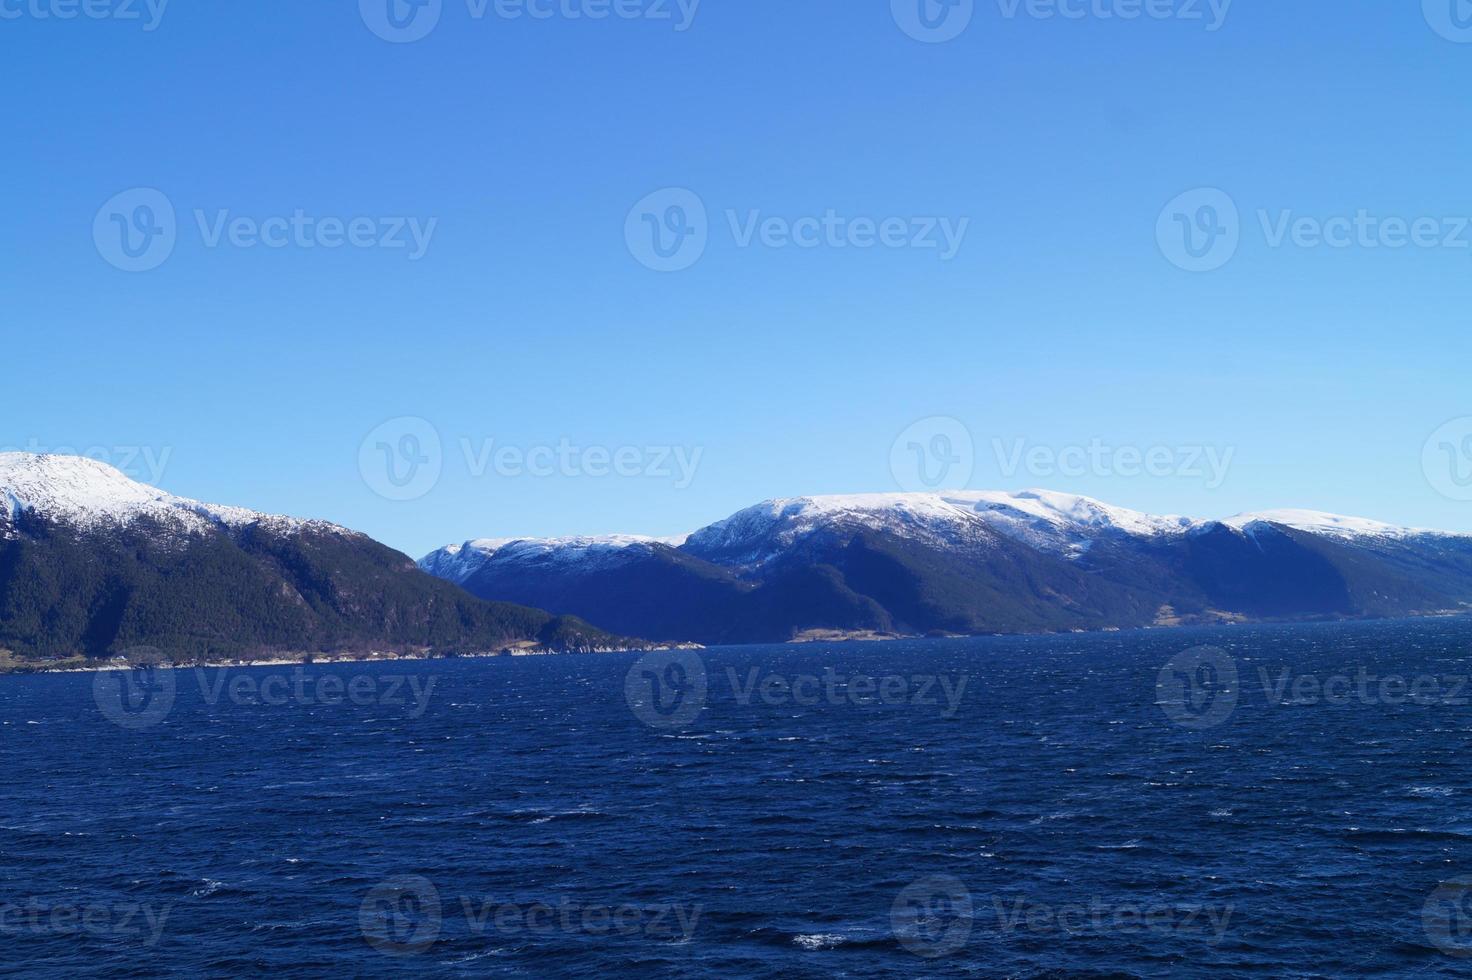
(806, 638)
(17, 669)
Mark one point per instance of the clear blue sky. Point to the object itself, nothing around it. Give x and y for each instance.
(528, 320)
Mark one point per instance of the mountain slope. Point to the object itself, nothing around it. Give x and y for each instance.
(92, 563)
(972, 562)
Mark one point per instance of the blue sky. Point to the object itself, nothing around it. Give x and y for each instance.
(520, 146)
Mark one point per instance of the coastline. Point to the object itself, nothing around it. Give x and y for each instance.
(71, 665)
(10, 667)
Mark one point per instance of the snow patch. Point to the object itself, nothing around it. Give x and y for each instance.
(1318, 522)
(1060, 522)
(460, 562)
(89, 494)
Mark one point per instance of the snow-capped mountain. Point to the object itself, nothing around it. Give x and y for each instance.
(92, 562)
(972, 561)
(459, 562)
(90, 495)
(1067, 524)
(962, 519)
(1335, 525)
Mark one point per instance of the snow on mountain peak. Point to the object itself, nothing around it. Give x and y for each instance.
(1042, 518)
(1319, 522)
(89, 494)
(458, 562)
(968, 520)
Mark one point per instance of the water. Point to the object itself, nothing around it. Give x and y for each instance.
(517, 818)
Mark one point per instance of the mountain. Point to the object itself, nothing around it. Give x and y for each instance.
(92, 563)
(971, 562)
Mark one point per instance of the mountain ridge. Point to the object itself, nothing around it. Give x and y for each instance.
(972, 561)
(93, 563)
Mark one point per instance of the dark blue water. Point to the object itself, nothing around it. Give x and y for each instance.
(518, 818)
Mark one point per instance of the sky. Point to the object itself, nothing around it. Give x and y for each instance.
(552, 267)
